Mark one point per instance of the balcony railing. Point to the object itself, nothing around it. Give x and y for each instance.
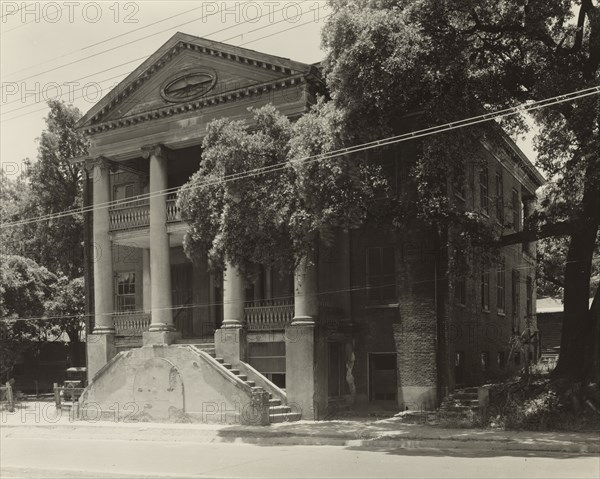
(271, 314)
(268, 314)
(136, 213)
(131, 324)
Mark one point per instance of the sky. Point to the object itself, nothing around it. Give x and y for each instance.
(78, 51)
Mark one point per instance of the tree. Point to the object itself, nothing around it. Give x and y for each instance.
(25, 287)
(56, 185)
(274, 219)
(65, 313)
(451, 60)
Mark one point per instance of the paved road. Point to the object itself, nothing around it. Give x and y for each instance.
(92, 458)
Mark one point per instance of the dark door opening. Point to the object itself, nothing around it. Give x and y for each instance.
(459, 368)
(183, 298)
(336, 378)
(382, 377)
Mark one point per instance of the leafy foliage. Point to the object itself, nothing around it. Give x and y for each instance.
(445, 60)
(55, 185)
(274, 218)
(24, 289)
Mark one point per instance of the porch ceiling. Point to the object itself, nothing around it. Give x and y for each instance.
(140, 238)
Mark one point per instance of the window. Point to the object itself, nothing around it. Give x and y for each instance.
(485, 291)
(529, 296)
(484, 359)
(500, 289)
(483, 191)
(381, 274)
(120, 192)
(516, 210)
(501, 359)
(460, 290)
(125, 292)
(499, 198)
(460, 190)
(515, 285)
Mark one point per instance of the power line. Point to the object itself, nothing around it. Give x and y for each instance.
(277, 298)
(103, 41)
(16, 11)
(333, 154)
(143, 38)
(122, 74)
(45, 17)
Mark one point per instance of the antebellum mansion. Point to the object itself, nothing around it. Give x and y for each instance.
(373, 322)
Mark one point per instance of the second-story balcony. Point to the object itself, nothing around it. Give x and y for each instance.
(134, 214)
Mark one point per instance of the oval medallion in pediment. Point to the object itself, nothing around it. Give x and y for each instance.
(188, 85)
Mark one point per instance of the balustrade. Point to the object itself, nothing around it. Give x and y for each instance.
(268, 314)
(131, 324)
(136, 213)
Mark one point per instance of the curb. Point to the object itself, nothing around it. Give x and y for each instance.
(265, 437)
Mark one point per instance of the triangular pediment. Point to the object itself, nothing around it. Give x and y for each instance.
(189, 69)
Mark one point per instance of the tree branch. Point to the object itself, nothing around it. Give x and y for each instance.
(562, 228)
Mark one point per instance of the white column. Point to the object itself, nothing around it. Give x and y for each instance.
(233, 298)
(160, 264)
(147, 285)
(306, 306)
(102, 249)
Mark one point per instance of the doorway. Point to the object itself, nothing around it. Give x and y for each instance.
(383, 381)
(183, 299)
(459, 368)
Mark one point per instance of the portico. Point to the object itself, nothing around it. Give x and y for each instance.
(144, 292)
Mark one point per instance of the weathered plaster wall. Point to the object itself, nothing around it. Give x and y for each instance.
(167, 383)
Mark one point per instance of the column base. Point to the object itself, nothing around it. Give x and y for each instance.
(230, 344)
(306, 371)
(100, 350)
(303, 321)
(417, 398)
(104, 330)
(150, 338)
(156, 327)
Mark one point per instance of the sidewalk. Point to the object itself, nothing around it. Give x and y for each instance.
(41, 420)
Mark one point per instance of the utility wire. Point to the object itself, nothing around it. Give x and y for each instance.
(333, 154)
(103, 41)
(140, 39)
(249, 303)
(123, 74)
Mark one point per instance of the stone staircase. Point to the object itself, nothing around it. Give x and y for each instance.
(462, 403)
(278, 412)
(461, 406)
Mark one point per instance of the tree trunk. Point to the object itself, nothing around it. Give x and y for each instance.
(577, 340)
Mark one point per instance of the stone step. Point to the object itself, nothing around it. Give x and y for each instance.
(235, 371)
(279, 410)
(227, 365)
(460, 402)
(251, 384)
(456, 408)
(220, 360)
(274, 402)
(243, 377)
(285, 417)
(463, 395)
(470, 390)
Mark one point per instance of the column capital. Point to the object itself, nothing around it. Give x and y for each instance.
(100, 161)
(157, 149)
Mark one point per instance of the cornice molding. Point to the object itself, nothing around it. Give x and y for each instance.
(119, 93)
(207, 102)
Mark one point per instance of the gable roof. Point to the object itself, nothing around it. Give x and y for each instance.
(178, 43)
